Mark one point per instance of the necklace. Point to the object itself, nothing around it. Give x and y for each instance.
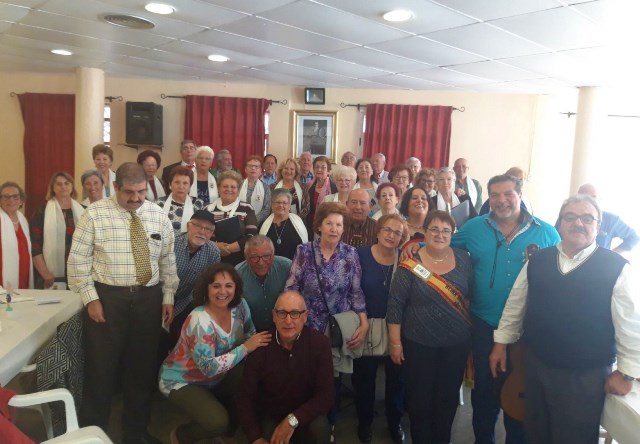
(16, 223)
(279, 235)
(437, 261)
(385, 271)
(418, 228)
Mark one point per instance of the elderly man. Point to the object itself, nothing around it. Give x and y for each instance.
(188, 155)
(287, 387)
(269, 168)
(263, 277)
(579, 309)
(414, 164)
(362, 229)
(306, 168)
(223, 163)
(497, 243)
(378, 162)
(122, 250)
(611, 227)
(348, 159)
(466, 185)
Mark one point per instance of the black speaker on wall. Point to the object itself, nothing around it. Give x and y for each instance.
(144, 123)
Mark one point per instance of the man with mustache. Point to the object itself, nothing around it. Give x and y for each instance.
(579, 309)
(497, 243)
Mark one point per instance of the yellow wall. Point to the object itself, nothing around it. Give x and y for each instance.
(495, 132)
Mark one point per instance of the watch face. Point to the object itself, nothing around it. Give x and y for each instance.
(293, 421)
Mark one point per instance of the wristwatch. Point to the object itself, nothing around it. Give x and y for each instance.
(292, 420)
(627, 377)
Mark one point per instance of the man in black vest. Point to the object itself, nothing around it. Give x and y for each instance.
(578, 308)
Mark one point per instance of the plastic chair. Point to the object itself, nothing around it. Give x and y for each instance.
(74, 434)
(43, 409)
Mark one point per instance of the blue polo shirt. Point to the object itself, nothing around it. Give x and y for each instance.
(496, 264)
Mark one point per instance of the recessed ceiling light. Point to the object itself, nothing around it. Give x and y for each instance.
(160, 8)
(61, 52)
(218, 58)
(398, 15)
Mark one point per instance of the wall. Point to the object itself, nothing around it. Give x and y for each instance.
(495, 132)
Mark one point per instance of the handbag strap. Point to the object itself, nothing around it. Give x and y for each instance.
(315, 266)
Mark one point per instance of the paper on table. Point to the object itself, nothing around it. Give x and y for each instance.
(15, 299)
(48, 300)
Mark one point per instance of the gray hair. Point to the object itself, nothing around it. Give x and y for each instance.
(93, 172)
(223, 151)
(381, 155)
(410, 159)
(341, 170)
(204, 149)
(256, 241)
(580, 198)
(505, 178)
(10, 184)
(281, 192)
(448, 170)
(130, 172)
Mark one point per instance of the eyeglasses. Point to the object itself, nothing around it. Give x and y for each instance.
(343, 180)
(294, 314)
(254, 167)
(435, 231)
(282, 202)
(255, 259)
(10, 196)
(202, 227)
(402, 178)
(586, 219)
(395, 233)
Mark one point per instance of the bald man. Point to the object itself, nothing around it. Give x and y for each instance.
(465, 185)
(361, 231)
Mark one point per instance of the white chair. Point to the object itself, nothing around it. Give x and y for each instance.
(74, 434)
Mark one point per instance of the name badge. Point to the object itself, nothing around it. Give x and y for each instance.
(423, 272)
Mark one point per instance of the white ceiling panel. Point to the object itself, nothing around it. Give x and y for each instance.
(542, 86)
(366, 84)
(179, 59)
(493, 9)
(561, 67)
(496, 71)
(445, 76)
(250, 6)
(137, 71)
(303, 72)
(378, 59)
(336, 66)
(595, 11)
(274, 77)
(407, 82)
(12, 13)
(428, 51)
(23, 62)
(198, 53)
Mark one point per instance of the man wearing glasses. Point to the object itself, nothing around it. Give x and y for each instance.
(287, 386)
(578, 306)
(263, 277)
(194, 253)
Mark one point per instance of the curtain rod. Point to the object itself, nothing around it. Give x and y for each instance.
(164, 96)
(359, 105)
(109, 98)
(569, 114)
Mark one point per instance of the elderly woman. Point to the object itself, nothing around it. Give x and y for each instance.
(378, 264)
(388, 196)
(178, 205)
(426, 179)
(446, 198)
(402, 176)
(16, 272)
(430, 329)
(286, 230)
(204, 187)
(103, 159)
(345, 178)
(231, 235)
(289, 171)
(202, 372)
(321, 186)
(150, 161)
(91, 187)
(253, 189)
(52, 228)
(414, 207)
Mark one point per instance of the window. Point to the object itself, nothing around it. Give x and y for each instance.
(106, 129)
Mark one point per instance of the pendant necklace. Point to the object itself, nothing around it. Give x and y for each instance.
(385, 273)
(279, 235)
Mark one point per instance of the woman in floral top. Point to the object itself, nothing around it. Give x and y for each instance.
(201, 373)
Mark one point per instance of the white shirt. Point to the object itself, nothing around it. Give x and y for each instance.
(625, 310)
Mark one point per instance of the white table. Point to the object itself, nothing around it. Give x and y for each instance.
(621, 416)
(30, 326)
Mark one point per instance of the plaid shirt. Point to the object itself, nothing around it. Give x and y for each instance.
(101, 249)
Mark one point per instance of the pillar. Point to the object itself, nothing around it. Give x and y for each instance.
(89, 118)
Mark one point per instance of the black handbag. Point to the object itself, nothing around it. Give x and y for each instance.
(333, 329)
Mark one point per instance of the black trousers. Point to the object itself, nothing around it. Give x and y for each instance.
(127, 343)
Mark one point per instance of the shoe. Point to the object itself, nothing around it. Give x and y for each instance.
(145, 438)
(332, 438)
(397, 434)
(364, 433)
(173, 436)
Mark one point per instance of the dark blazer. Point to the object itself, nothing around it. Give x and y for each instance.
(166, 171)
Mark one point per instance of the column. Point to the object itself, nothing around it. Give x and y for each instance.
(89, 117)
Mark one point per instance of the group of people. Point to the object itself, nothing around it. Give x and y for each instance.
(250, 278)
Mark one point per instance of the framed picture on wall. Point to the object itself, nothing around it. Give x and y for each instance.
(314, 96)
(315, 132)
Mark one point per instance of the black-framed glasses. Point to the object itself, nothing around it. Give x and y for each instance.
(294, 314)
(435, 231)
(264, 258)
(202, 227)
(586, 219)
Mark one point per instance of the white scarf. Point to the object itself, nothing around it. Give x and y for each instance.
(230, 209)
(357, 186)
(159, 190)
(473, 192)
(112, 178)
(187, 211)
(10, 264)
(257, 197)
(444, 206)
(296, 221)
(211, 186)
(54, 234)
(298, 188)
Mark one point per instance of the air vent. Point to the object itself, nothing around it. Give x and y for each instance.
(129, 21)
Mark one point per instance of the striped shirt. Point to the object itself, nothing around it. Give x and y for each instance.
(101, 249)
(360, 235)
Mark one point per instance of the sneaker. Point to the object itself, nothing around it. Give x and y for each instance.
(332, 439)
(397, 434)
(364, 433)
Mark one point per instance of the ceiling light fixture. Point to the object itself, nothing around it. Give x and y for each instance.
(62, 52)
(398, 15)
(160, 8)
(218, 58)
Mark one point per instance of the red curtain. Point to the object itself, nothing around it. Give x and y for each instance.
(49, 141)
(403, 131)
(234, 123)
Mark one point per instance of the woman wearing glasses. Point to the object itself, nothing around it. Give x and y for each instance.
(14, 239)
(378, 264)
(402, 176)
(430, 328)
(201, 375)
(286, 230)
(344, 178)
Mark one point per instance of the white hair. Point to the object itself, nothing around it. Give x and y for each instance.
(204, 149)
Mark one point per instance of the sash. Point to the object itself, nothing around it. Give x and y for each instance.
(10, 263)
(112, 178)
(444, 206)
(54, 231)
(257, 197)
(444, 288)
(298, 189)
(227, 209)
(211, 185)
(187, 211)
(473, 192)
(295, 220)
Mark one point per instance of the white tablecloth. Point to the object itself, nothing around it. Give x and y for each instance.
(30, 326)
(621, 416)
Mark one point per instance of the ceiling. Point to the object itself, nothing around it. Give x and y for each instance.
(533, 46)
